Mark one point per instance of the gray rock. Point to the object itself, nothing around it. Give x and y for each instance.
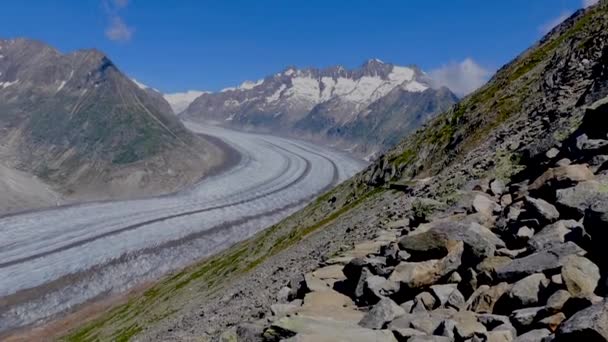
(377, 287)
(562, 176)
(590, 324)
(382, 313)
(524, 233)
(543, 261)
(527, 291)
(541, 209)
(585, 144)
(580, 275)
(484, 205)
(557, 233)
(280, 310)
(430, 339)
(485, 297)
(495, 336)
(557, 300)
(442, 292)
(249, 332)
(424, 300)
(406, 334)
(456, 300)
(552, 322)
(552, 153)
(283, 294)
(524, 318)
(492, 321)
(497, 187)
(582, 196)
(533, 335)
(447, 328)
(426, 273)
(596, 217)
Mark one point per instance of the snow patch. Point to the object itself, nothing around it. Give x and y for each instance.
(61, 85)
(289, 72)
(304, 88)
(276, 95)
(401, 74)
(414, 86)
(5, 85)
(247, 85)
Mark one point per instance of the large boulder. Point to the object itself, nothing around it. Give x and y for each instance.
(380, 314)
(541, 210)
(485, 297)
(418, 274)
(590, 324)
(579, 198)
(563, 176)
(557, 233)
(527, 291)
(580, 275)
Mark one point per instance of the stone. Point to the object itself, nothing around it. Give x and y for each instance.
(315, 284)
(456, 301)
(467, 325)
(582, 196)
(249, 332)
(280, 310)
(580, 275)
(298, 286)
(557, 233)
(585, 144)
(506, 200)
(321, 329)
(479, 241)
(442, 292)
(491, 263)
(524, 233)
(557, 280)
(418, 274)
(283, 294)
(557, 300)
(596, 217)
(360, 284)
(229, 335)
(447, 329)
(562, 176)
(407, 306)
(590, 324)
(524, 318)
(552, 153)
(506, 327)
(511, 253)
(485, 297)
(552, 322)
(541, 209)
(454, 278)
(427, 322)
(491, 321)
(484, 205)
(497, 187)
(549, 260)
(330, 304)
(563, 162)
(406, 334)
(376, 287)
(533, 335)
(425, 246)
(497, 336)
(428, 338)
(424, 300)
(380, 314)
(527, 291)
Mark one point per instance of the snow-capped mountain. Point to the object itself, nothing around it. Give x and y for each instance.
(321, 104)
(180, 101)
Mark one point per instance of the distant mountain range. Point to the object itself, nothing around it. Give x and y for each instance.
(366, 109)
(76, 123)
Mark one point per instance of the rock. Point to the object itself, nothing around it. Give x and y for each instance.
(590, 324)
(549, 260)
(425, 246)
(524, 233)
(229, 335)
(314, 284)
(581, 197)
(596, 217)
(323, 329)
(442, 292)
(359, 291)
(557, 280)
(485, 297)
(456, 300)
(424, 300)
(376, 287)
(585, 144)
(524, 318)
(283, 294)
(533, 335)
(383, 312)
(298, 287)
(552, 153)
(497, 336)
(249, 332)
(576, 304)
(557, 233)
(491, 263)
(557, 300)
(580, 275)
(454, 278)
(330, 304)
(426, 273)
(511, 253)
(479, 241)
(563, 176)
(427, 322)
(541, 209)
(467, 325)
(497, 187)
(552, 322)
(447, 329)
(491, 321)
(527, 291)
(506, 327)
(485, 205)
(429, 339)
(406, 334)
(407, 306)
(280, 310)
(506, 200)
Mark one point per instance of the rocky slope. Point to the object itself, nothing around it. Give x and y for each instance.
(77, 124)
(487, 224)
(366, 109)
(180, 101)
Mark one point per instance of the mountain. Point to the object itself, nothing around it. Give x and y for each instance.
(355, 109)
(76, 123)
(489, 223)
(180, 101)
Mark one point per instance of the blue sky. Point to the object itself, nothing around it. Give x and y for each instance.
(208, 45)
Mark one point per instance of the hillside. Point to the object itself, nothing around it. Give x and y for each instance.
(77, 124)
(485, 224)
(365, 110)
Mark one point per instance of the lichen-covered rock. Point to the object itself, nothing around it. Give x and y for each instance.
(580, 275)
(590, 324)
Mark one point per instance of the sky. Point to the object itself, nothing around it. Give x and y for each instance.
(209, 45)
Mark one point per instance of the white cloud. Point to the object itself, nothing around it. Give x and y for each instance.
(587, 3)
(119, 31)
(548, 26)
(462, 78)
